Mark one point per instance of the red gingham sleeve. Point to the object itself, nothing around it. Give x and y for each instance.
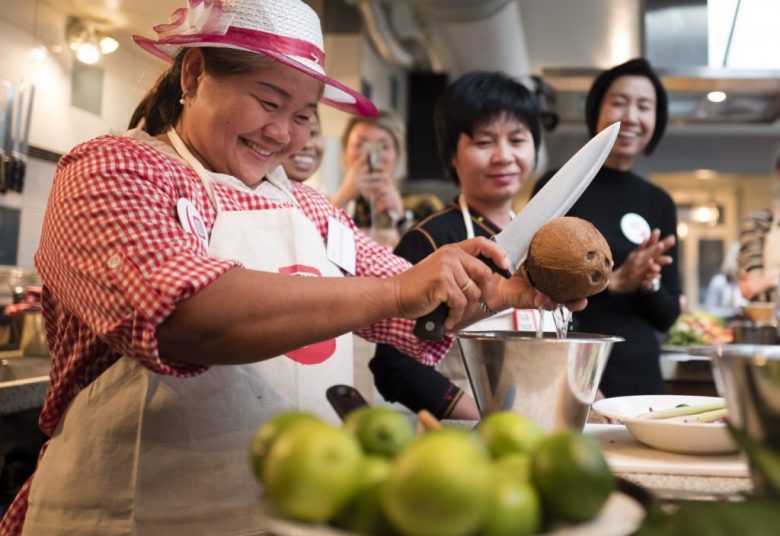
(112, 252)
(374, 260)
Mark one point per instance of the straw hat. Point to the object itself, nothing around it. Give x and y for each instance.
(287, 31)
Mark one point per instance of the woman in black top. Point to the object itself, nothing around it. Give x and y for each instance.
(487, 131)
(643, 296)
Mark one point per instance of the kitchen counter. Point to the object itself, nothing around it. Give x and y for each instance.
(669, 475)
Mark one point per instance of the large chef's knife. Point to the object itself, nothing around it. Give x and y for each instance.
(21, 137)
(6, 135)
(552, 201)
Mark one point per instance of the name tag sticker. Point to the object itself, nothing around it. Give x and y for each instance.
(341, 245)
(191, 220)
(635, 227)
(526, 320)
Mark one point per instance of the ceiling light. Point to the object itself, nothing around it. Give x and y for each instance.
(87, 42)
(87, 53)
(38, 52)
(716, 96)
(707, 213)
(108, 44)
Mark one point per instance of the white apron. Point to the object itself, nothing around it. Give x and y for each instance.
(143, 453)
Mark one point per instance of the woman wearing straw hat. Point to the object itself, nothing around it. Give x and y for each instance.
(170, 249)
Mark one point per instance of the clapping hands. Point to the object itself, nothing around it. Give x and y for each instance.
(642, 268)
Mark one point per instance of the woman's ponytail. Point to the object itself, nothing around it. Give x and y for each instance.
(160, 108)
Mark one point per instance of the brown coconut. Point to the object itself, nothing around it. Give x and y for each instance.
(569, 259)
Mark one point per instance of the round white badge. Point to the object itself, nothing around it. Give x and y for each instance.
(635, 227)
(191, 220)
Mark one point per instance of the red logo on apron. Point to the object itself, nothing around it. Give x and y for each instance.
(319, 351)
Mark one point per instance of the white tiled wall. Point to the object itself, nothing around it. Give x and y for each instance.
(56, 125)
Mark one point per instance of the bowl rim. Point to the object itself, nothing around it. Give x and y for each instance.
(755, 354)
(549, 337)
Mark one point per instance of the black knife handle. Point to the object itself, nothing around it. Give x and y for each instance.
(344, 399)
(431, 326)
(503, 272)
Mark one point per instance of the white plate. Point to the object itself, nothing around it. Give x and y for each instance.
(687, 438)
(620, 516)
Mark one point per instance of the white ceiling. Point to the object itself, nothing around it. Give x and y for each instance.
(120, 18)
(119, 15)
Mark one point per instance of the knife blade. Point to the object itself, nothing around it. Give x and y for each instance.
(552, 201)
(24, 116)
(6, 132)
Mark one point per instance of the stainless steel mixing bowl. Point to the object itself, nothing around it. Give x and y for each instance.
(550, 380)
(748, 377)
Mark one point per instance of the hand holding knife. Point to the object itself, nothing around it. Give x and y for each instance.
(552, 201)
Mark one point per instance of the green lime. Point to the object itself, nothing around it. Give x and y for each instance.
(438, 485)
(572, 476)
(507, 432)
(312, 471)
(517, 465)
(267, 433)
(363, 514)
(515, 506)
(380, 430)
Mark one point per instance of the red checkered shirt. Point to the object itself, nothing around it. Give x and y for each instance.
(115, 262)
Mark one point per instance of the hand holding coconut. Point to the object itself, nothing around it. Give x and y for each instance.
(569, 260)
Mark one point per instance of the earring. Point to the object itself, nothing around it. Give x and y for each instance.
(183, 95)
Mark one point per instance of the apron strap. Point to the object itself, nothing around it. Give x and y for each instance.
(464, 210)
(197, 167)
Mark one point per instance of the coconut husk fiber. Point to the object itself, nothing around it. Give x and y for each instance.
(569, 259)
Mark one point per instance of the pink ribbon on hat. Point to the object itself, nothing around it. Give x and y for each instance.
(199, 17)
(204, 21)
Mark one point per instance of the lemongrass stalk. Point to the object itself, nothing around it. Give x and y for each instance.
(703, 417)
(682, 411)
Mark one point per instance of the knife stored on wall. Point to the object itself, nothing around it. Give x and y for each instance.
(6, 131)
(21, 138)
(552, 201)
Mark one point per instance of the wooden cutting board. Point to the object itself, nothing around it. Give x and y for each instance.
(626, 455)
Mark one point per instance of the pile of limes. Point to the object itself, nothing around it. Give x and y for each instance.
(372, 476)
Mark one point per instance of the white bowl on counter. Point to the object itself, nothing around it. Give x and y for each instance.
(661, 434)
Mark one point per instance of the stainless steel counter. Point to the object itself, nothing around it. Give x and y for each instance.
(23, 382)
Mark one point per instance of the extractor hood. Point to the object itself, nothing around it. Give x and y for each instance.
(682, 39)
(567, 43)
(696, 95)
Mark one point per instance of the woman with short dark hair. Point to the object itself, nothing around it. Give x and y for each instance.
(488, 137)
(643, 296)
